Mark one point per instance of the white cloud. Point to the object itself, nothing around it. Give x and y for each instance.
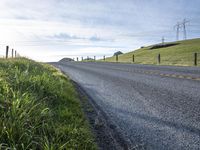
(92, 26)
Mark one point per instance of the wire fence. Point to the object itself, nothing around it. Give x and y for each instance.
(186, 59)
(9, 53)
(181, 59)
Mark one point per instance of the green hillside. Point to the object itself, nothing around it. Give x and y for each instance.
(181, 53)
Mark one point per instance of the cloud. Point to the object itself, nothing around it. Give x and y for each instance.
(51, 26)
(65, 36)
(96, 39)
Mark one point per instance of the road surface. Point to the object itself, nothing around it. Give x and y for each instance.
(154, 106)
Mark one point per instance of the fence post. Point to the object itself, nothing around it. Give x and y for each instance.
(195, 59)
(77, 58)
(133, 58)
(104, 58)
(12, 53)
(116, 58)
(7, 49)
(82, 58)
(15, 54)
(158, 58)
(94, 58)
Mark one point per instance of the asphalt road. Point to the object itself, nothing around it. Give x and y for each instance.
(154, 106)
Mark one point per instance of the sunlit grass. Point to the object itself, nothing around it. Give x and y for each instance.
(39, 109)
(181, 54)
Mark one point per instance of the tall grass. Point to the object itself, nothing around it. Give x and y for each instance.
(39, 109)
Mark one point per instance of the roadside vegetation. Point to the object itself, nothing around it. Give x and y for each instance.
(176, 53)
(40, 109)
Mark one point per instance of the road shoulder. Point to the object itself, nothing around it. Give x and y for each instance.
(106, 135)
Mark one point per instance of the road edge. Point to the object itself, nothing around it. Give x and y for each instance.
(107, 135)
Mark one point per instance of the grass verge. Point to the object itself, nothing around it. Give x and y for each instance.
(40, 109)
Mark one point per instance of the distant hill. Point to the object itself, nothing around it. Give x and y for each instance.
(174, 53)
(66, 60)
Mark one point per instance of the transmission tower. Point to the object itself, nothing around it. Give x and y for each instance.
(181, 25)
(177, 26)
(184, 28)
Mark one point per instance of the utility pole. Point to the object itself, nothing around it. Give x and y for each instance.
(184, 28)
(163, 40)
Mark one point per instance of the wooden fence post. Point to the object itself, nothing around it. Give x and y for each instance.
(104, 58)
(158, 58)
(7, 49)
(133, 58)
(94, 58)
(116, 58)
(15, 54)
(77, 59)
(195, 59)
(12, 53)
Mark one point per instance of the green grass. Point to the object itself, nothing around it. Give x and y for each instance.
(181, 54)
(40, 109)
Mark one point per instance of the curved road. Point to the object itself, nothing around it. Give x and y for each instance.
(157, 107)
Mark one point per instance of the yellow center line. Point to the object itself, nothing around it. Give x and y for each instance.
(180, 76)
(167, 75)
(162, 74)
(188, 77)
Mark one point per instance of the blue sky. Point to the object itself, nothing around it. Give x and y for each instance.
(47, 30)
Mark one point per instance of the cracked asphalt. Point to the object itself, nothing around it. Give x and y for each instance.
(157, 107)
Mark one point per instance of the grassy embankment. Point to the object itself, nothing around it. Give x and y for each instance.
(40, 109)
(181, 54)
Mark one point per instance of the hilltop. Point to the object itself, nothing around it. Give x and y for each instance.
(173, 53)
